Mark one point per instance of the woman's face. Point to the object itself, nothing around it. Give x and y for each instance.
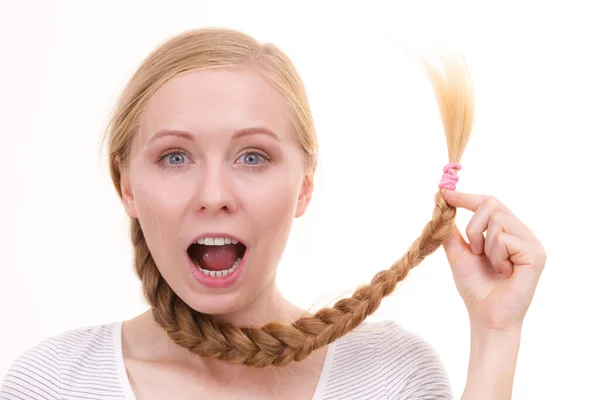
(215, 157)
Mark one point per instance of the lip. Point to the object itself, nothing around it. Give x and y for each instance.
(217, 281)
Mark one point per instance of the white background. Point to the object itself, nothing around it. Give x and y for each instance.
(65, 257)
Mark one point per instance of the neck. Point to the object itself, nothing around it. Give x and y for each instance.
(144, 339)
(269, 306)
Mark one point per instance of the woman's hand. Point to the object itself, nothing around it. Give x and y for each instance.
(497, 273)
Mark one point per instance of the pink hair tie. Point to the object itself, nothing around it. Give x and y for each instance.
(450, 178)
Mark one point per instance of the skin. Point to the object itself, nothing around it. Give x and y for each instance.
(217, 188)
(496, 275)
(212, 186)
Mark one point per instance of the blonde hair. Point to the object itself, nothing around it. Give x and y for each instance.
(275, 343)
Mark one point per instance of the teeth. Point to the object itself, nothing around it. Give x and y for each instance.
(217, 274)
(216, 241)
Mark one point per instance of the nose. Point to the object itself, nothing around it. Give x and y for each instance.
(214, 191)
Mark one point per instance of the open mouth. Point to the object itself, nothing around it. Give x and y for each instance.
(218, 256)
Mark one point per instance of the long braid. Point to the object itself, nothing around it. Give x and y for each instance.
(277, 343)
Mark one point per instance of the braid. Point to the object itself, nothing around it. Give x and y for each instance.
(279, 344)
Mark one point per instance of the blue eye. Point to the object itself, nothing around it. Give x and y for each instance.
(252, 158)
(172, 160)
(176, 158)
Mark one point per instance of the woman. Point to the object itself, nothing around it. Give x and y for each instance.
(213, 151)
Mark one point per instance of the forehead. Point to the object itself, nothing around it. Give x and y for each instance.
(218, 100)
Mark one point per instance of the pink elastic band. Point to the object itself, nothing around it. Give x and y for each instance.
(450, 178)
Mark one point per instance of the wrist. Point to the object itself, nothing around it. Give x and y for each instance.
(492, 362)
(494, 329)
(493, 347)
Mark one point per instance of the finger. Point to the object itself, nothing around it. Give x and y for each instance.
(463, 200)
(472, 202)
(501, 222)
(478, 225)
(494, 227)
(500, 254)
(480, 221)
(527, 260)
(524, 259)
(455, 245)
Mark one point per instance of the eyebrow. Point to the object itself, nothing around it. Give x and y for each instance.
(255, 130)
(171, 132)
(237, 134)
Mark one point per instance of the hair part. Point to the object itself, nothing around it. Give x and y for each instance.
(275, 343)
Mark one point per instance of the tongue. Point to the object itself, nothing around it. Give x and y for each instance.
(216, 258)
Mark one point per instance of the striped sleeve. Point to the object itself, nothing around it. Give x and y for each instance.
(74, 365)
(415, 369)
(34, 375)
(382, 360)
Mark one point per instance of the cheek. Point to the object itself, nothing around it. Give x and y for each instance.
(165, 194)
(160, 206)
(273, 210)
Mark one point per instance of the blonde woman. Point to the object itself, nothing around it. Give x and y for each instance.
(212, 150)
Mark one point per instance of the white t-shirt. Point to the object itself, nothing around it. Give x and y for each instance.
(377, 360)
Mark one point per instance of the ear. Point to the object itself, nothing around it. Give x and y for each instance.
(127, 195)
(305, 194)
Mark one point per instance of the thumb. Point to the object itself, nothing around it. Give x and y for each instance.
(455, 245)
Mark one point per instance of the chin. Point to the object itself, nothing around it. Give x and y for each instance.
(239, 300)
(216, 304)
(224, 295)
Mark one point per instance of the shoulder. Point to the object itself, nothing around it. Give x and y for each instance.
(395, 362)
(82, 361)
